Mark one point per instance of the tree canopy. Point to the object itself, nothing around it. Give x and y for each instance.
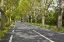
(33, 11)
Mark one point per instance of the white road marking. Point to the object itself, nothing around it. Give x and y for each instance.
(11, 37)
(43, 36)
(60, 33)
(19, 21)
(13, 31)
(14, 26)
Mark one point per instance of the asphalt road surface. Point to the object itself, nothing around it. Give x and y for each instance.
(22, 32)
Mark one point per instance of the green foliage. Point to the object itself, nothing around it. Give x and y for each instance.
(4, 31)
(9, 7)
(51, 18)
(1, 34)
(23, 6)
(18, 9)
(52, 27)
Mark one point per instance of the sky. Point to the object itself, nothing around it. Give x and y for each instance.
(55, 1)
(55, 4)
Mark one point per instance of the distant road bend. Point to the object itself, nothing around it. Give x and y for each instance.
(22, 32)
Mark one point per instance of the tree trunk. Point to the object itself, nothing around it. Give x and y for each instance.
(28, 17)
(35, 16)
(9, 20)
(35, 19)
(60, 18)
(2, 19)
(31, 19)
(61, 9)
(23, 18)
(47, 4)
(43, 19)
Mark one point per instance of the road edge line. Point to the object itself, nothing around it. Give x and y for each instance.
(43, 36)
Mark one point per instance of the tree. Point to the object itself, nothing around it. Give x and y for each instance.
(2, 14)
(61, 9)
(47, 4)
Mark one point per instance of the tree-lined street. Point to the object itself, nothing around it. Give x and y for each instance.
(22, 32)
(19, 20)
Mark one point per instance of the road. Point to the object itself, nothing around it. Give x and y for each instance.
(22, 32)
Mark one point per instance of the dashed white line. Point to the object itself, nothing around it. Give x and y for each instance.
(14, 26)
(11, 37)
(60, 33)
(13, 31)
(43, 36)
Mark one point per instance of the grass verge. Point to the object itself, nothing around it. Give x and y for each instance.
(3, 32)
(51, 27)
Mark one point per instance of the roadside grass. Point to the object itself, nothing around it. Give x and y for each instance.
(4, 31)
(51, 27)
